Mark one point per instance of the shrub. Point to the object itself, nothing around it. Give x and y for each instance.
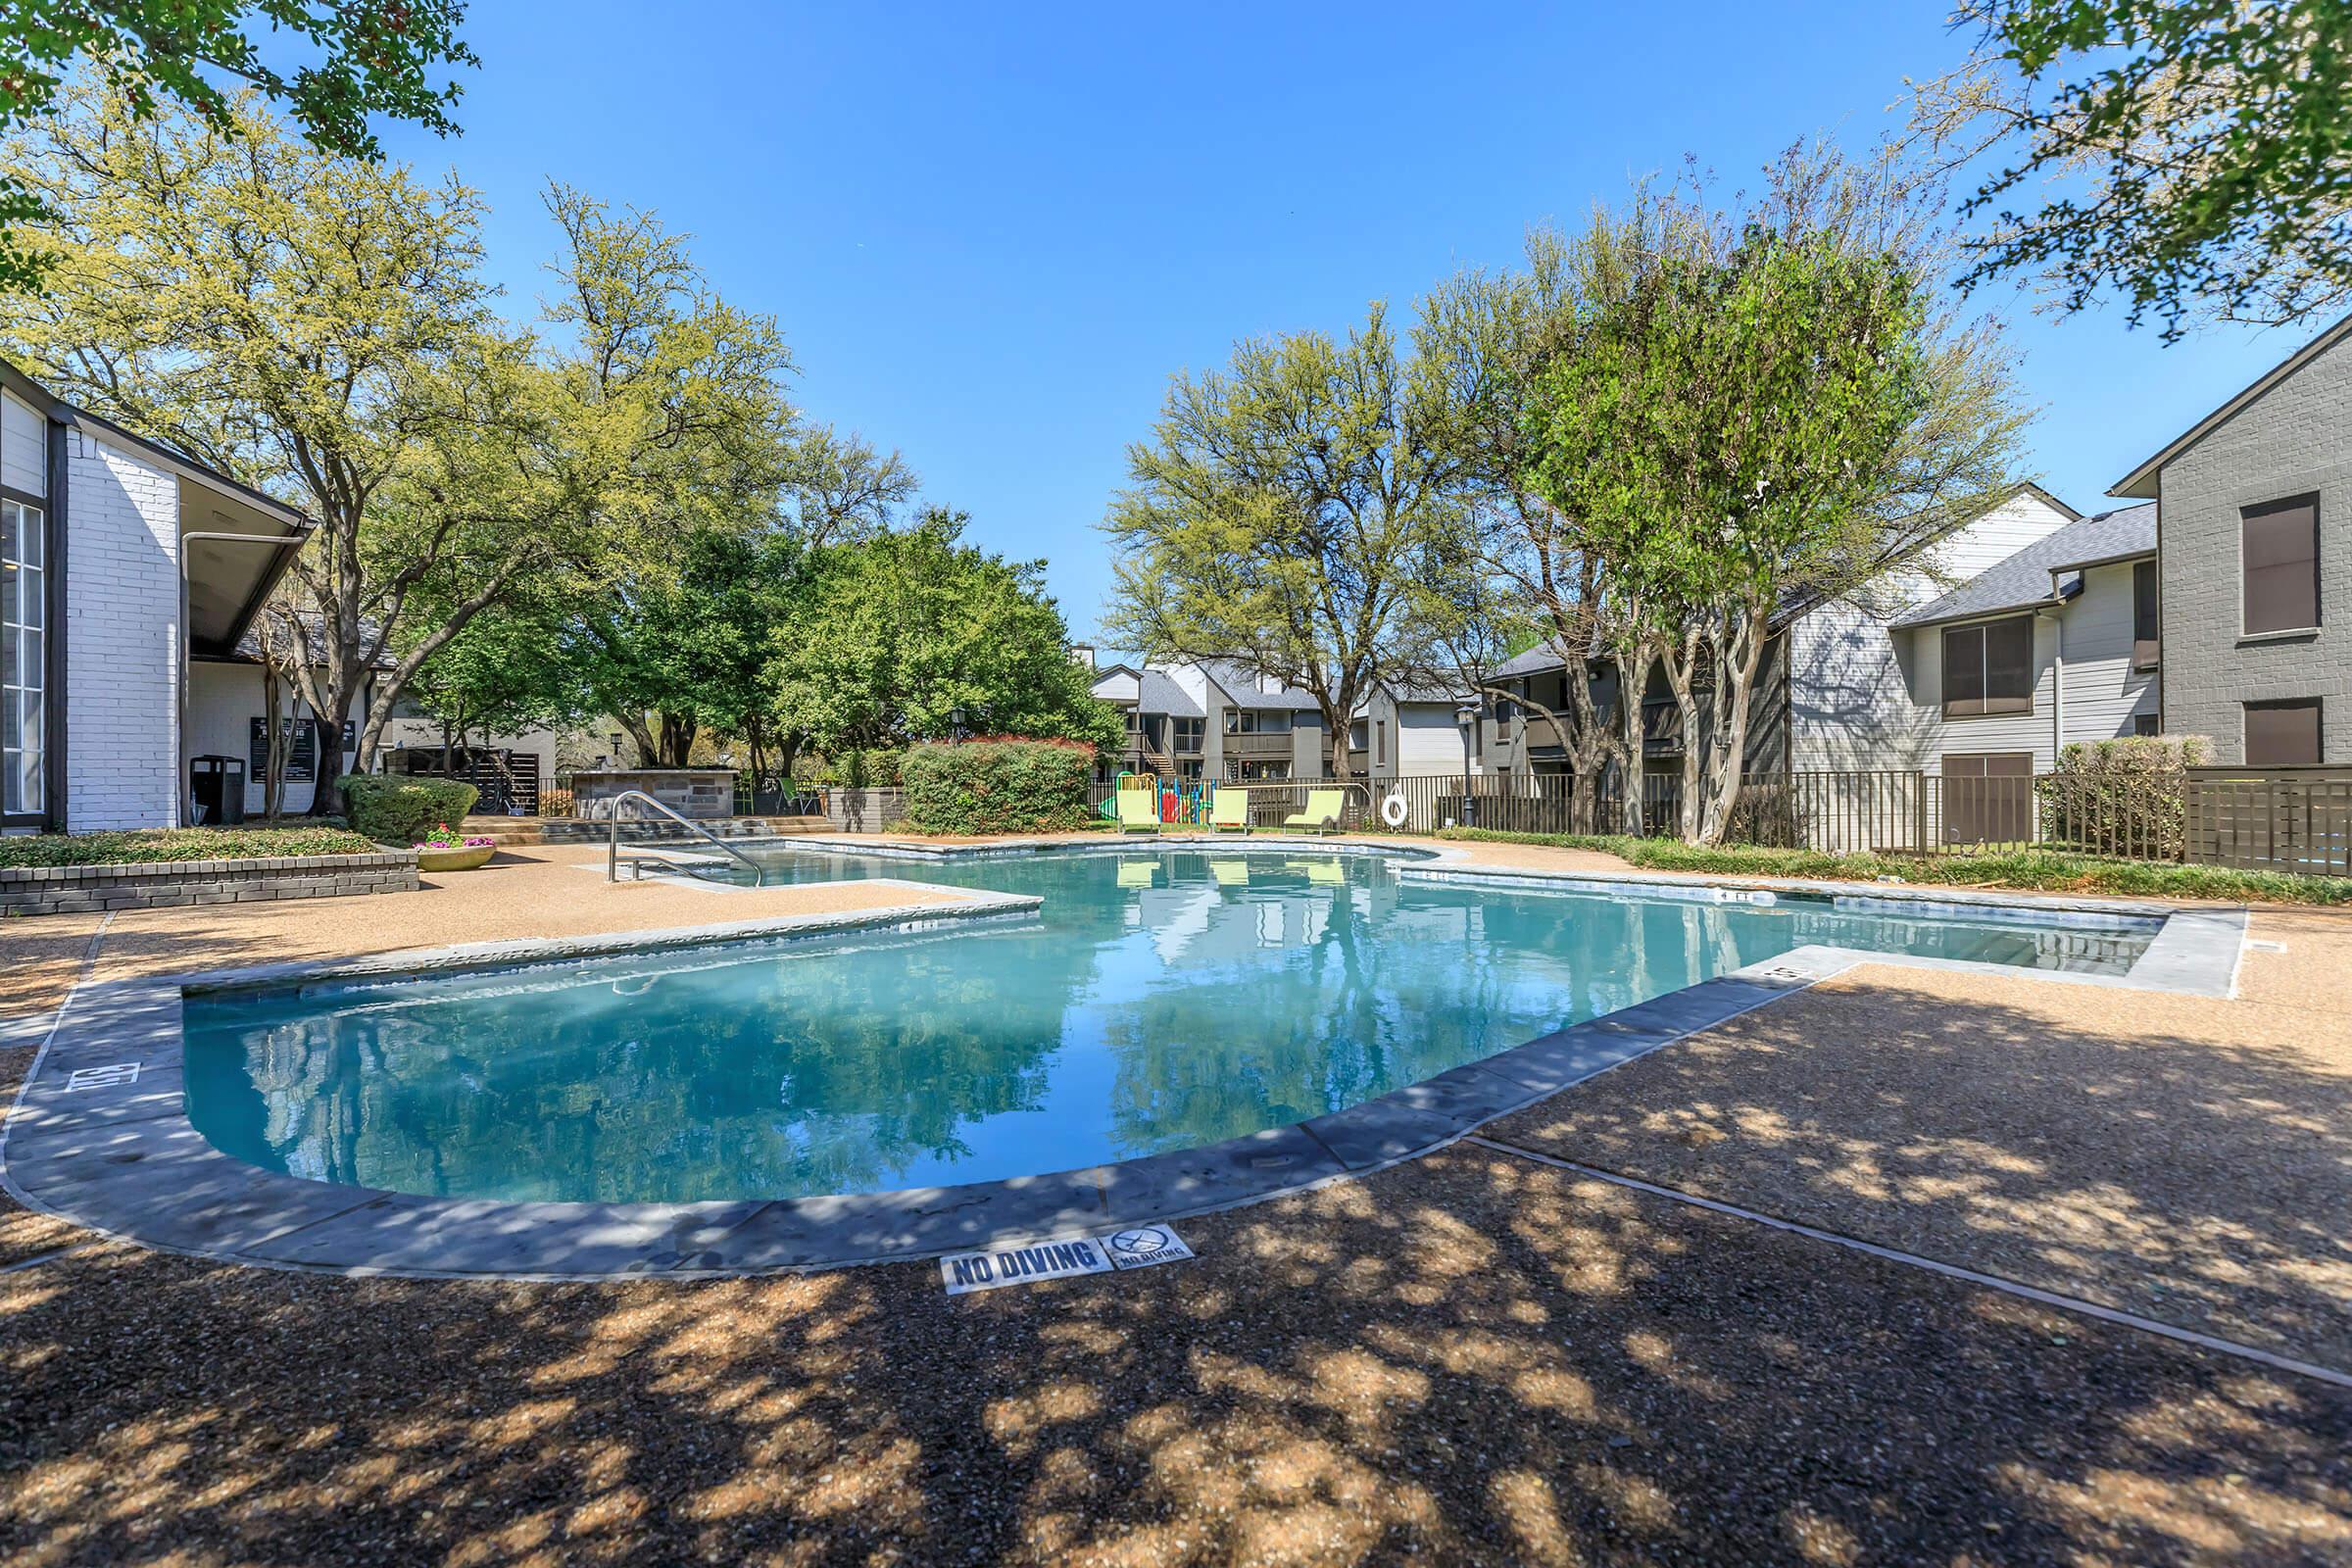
(997, 786)
(2121, 797)
(144, 846)
(2040, 871)
(874, 767)
(393, 810)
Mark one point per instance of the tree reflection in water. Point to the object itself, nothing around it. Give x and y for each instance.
(1218, 995)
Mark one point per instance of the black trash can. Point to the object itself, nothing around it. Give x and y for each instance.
(219, 784)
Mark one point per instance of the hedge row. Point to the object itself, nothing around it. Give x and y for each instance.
(998, 786)
(149, 846)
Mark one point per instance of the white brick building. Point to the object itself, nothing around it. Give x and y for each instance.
(124, 564)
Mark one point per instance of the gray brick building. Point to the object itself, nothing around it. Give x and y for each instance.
(2254, 552)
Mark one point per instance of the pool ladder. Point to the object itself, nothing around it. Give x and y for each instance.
(637, 861)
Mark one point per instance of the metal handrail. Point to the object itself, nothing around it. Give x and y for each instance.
(612, 854)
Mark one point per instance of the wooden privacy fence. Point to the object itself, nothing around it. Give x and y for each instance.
(507, 782)
(2272, 819)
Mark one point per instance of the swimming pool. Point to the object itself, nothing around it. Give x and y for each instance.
(1162, 1000)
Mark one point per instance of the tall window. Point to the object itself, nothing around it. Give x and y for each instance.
(23, 612)
(1188, 734)
(1989, 669)
(2280, 548)
(2146, 617)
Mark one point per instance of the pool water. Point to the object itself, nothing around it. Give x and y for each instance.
(1161, 1001)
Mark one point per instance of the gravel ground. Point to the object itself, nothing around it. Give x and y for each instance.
(2183, 1157)
(1474, 1360)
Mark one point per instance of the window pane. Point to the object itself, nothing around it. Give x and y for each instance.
(2143, 601)
(28, 660)
(12, 519)
(2009, 666)
(1964, 669)
(36, 603)
(2278, 734)
(28, 759)
(2281, 542)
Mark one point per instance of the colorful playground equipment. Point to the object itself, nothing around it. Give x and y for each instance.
(1178, 802)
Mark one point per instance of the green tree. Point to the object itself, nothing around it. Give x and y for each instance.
(503, 675)
(1527, 568)
(673, 652)
(1770, 416)
(1275, 512)
(902, 630)
(2200, 152)
(363, 57)
(319, 326)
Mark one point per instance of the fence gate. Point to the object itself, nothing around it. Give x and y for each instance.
(2272, 819)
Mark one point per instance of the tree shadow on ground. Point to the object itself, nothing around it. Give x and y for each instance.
(1473, 1358)
(2176, 1165)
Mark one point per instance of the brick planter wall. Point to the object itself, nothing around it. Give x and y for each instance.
(69, 889)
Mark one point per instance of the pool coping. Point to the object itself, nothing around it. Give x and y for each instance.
(117, 1153)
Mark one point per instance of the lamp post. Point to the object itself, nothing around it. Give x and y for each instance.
(955, 729)
(1465, 717)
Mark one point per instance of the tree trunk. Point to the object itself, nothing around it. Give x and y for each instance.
(1735, 680)
(1680, 660)
(1632, 687)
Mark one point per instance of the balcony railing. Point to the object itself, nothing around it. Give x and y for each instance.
(1258, 746)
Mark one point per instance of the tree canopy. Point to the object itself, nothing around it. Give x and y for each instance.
(318, 326)
(900, 631)
(362, 58)
(2191, 156)
(1273, 517)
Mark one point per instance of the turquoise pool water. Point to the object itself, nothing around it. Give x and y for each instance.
(1159, 1002)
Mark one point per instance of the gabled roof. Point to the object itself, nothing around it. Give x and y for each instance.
(1424, 691)
(2027, 580)
(1160, 695)
(2140, 484)
(1242, 689)
(1545, 655)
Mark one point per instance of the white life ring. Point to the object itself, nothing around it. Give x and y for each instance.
(1394, 810)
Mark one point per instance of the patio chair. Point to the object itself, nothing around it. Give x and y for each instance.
(1322, 812)
(1138, 810)
(1229, 811)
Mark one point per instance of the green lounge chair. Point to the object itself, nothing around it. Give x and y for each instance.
(1229, 811)
(1322, 813)
(1138, 810)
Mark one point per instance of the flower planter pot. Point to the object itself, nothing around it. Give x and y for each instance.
(455, 860)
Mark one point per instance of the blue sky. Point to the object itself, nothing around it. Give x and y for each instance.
(993, 234)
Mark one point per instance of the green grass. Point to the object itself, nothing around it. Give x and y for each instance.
(179, 844)
(2025, 870)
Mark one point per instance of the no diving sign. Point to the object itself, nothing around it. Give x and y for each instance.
(1134, 1246)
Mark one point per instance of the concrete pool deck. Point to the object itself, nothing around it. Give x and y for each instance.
(100, 1133)
(1472, 1357)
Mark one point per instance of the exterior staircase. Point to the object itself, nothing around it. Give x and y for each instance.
(505, 830)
